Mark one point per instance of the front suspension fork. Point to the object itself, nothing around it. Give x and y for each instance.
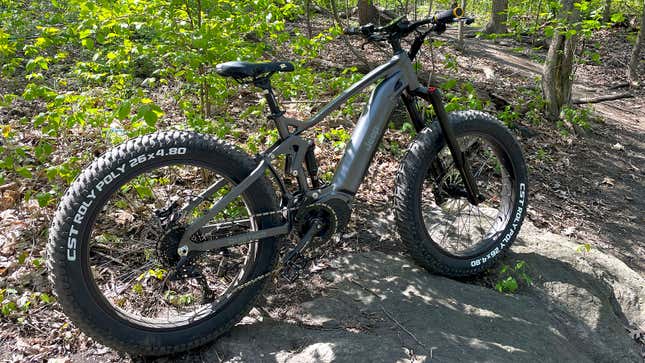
(433, 95)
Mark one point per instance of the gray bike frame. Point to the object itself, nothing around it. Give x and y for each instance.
(398, 75)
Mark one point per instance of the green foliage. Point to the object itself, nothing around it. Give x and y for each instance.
(508, 285)
(96, 68)
(178, 299)
(543, 155)
(338, 137)
(617, 18)
(511, 277)
(584, 248)
(508, 116)
(13, 302)
(570, 116)
(460, 96)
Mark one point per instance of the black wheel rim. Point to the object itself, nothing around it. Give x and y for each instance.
(455, 226)
(132, 283)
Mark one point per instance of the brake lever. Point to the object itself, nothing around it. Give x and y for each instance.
(467, 20)
(370, 39)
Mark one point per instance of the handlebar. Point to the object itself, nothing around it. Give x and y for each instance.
(448, 16)
(401, 27)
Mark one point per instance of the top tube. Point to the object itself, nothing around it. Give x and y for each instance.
(384, 70)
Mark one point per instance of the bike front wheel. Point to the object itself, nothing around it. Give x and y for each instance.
(112, 250)
(443, 231)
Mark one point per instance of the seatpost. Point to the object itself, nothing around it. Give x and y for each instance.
(265, 84)
(276, 113)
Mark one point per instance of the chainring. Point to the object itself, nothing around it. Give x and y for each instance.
(319, 212)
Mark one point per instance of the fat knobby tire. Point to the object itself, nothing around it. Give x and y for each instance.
(409, 182)
(67, 248)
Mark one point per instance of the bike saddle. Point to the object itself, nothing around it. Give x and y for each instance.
(248, 69)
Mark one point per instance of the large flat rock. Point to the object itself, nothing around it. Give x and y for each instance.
(578, 310)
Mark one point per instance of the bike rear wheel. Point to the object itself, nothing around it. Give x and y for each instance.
(111, 252)
(443, 231)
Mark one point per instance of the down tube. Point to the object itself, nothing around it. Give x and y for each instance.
(367, 135)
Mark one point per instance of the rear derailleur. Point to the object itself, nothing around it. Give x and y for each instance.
(180, 267)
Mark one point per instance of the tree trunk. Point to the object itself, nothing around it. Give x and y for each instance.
(537, 21)
(308, 12)
(460, 28)
(557, 78)
(634, 61)
(499, 15)
(430, 8)
(606, 12)
(367, 12)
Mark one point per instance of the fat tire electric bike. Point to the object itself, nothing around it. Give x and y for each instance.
(164, 242)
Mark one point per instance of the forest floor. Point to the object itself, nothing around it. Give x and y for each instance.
(592, 187)
(363, 298)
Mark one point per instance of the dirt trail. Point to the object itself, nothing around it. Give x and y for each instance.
(628, 112)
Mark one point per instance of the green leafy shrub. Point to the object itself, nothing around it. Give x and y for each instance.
(511, 277)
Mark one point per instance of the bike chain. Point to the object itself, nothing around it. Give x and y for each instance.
(281, 265)
(233, 221)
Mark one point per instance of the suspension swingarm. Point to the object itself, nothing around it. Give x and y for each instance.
(186, 245)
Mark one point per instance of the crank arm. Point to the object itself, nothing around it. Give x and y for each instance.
(235, 240)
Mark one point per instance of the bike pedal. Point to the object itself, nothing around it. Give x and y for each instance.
(292, 268)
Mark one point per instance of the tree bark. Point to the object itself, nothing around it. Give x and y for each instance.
(460, 28)
(557, 77)
(308, 13)
(537, 21)
(634, 61)
(367, 12)
(430, 4)
(499, 15)
(606, 12)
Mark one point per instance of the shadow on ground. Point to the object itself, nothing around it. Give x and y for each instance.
(382, 307)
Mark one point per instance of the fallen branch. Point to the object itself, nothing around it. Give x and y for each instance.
(619, 85)
(325, 64)
(350, 14)
(321, 10)
(499, 100)
(602, 98)
(385, 16)
(305, 101)
(378, 297)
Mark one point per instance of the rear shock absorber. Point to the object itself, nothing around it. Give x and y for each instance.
(312, 165)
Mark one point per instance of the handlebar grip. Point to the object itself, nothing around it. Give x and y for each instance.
(448, 16)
